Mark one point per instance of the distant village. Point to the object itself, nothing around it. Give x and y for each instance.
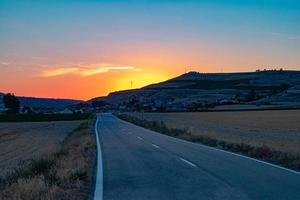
(67, 110)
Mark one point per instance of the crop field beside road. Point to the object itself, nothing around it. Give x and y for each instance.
(279, 130)
(47, 160)
(30, 140)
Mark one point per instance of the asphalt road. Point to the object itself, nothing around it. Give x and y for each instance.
(141, 164)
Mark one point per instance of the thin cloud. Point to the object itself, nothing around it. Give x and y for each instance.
(58, 72)
(294, 38)
(285, 36)
(83, 70)
(120, 68)
(4, 63)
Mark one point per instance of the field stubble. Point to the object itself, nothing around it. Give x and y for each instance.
(272, 136)
(30, 140)
(65, 171)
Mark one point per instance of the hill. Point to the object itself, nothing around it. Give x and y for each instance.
(200, 91)
(45, 102)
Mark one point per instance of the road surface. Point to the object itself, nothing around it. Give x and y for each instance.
(141, 164)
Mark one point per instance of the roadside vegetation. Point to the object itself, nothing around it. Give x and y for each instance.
(277, 129)
(263, 152)
(65, 174)
(42, 117)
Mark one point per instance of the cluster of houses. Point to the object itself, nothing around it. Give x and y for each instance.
(203, 100)
(67, 110)
(22, 110)
(170, 106)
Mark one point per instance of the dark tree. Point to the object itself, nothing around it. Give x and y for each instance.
(11, 103)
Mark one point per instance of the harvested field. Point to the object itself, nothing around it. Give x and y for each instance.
(279, 130)
(61, 173)
(30, 140)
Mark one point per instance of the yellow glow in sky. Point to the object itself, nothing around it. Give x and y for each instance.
(138, 80)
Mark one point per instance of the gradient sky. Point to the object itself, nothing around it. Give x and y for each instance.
(82, 49)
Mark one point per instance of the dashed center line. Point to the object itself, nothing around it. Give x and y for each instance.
(154, 145)
(188, 162)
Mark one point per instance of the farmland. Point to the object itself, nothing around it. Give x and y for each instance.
(22, 141)
(46, 160)
(279, 130)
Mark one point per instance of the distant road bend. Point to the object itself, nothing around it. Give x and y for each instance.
(141, 164)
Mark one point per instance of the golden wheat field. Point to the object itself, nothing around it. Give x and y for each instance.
(278, 129)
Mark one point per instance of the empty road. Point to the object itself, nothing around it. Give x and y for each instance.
(141, 164)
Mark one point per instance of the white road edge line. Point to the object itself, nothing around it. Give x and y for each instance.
(154, 145)
(216, 149)
(188, 162)
(98, 193)
(239, 155)
(259, 161)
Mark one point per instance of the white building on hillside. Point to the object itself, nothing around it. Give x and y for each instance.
(66, 111)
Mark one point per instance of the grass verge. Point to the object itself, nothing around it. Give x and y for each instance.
(42, 117)
(66, 174)
(264, 153)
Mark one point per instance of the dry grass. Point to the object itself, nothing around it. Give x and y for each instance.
(65, 174)
(30, 140)
(279, 130)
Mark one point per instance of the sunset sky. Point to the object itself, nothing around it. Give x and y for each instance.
(83, 49)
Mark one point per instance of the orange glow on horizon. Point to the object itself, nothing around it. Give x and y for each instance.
(74, 86)
(94, 79)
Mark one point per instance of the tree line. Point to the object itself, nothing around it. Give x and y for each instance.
(11, 103)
